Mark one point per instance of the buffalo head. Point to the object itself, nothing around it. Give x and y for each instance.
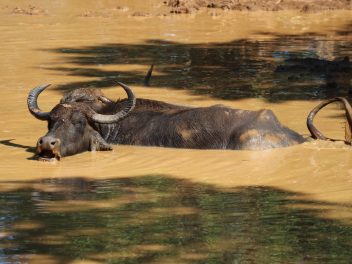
(72, 122)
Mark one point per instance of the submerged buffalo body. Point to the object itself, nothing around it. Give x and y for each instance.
(87, 120)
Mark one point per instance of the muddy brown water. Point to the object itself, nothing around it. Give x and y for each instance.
(160, 205)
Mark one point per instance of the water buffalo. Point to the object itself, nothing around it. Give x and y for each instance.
(87, 120)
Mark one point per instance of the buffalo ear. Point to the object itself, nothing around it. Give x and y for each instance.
(97, 143)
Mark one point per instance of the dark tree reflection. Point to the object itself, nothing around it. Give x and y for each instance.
(232, 70)
(157, 219)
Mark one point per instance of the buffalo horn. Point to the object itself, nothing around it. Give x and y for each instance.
(33, 105)
(316, 133)
(108, 119)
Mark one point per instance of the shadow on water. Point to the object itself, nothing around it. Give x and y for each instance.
(157, 219)
(8, 142)
(30, 149)
(231, 70)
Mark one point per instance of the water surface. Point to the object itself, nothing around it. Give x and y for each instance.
(159, 205)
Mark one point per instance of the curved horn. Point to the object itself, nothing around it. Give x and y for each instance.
(314, 131)
(348, 131)
(108, 119)
(33, 105)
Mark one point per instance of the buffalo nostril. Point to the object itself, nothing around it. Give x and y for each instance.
(40, 141)
(53, 143)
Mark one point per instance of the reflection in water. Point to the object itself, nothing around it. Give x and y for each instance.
(242, 68)
(155, 219)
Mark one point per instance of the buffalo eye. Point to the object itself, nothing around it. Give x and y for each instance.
(78, 120)
(80, 100)
(80, 123)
